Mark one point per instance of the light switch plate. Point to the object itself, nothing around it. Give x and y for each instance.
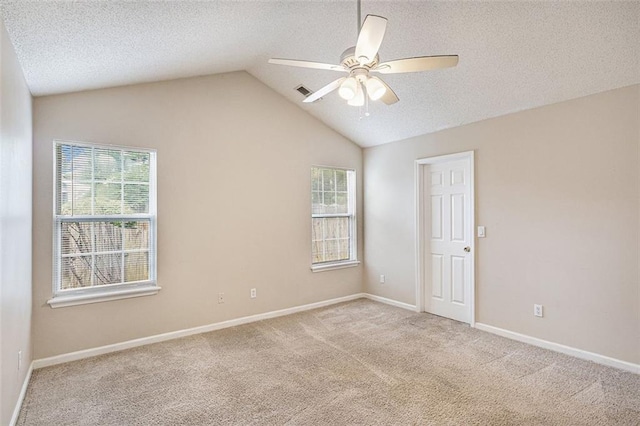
(481, 232)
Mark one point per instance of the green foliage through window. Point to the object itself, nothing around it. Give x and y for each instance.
(96, 181)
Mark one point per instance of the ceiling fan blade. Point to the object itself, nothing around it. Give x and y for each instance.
(370, 38)
(389, 96)
(306, 64)
(420, 63)
(325, 90)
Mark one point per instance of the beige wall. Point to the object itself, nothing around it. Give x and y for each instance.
(558, 189)
(15, 227)
(234, 164)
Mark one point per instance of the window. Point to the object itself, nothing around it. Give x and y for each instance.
(105, 223)
(333, 218)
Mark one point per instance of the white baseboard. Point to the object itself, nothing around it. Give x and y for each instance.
(101, 350)
(390, 302)
(87, 353)
(568, 350)
(23, 392)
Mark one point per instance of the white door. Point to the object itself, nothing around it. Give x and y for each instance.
(448, 236)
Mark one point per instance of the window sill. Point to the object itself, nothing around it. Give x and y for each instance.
(83, 299)
(332, 266)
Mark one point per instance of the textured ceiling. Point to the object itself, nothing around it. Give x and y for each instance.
(513, 55)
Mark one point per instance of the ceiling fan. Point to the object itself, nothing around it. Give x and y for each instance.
(362, 60)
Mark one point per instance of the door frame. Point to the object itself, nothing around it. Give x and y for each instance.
(420, 231)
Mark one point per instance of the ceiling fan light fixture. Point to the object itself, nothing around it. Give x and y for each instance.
(358, 99)
(348, 89)
(375, 88)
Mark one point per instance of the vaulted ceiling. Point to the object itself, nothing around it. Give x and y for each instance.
(513, 55)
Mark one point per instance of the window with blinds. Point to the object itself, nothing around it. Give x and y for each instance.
(333, 219)
(105, 218)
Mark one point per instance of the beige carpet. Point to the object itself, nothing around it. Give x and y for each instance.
(359, 362)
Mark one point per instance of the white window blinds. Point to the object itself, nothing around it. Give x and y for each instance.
(105, 218)
(332, 215)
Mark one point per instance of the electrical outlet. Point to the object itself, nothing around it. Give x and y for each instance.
(537, 310)
(253, 293)
(19, 360)
(220, 297)
(381, 279)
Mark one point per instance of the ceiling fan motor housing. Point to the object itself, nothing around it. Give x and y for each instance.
(349, 61)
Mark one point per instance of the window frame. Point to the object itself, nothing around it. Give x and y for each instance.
(70, 297)
(353, 222)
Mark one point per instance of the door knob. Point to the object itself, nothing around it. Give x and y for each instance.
(467, 249)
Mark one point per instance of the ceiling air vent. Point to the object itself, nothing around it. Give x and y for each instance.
(303, 90)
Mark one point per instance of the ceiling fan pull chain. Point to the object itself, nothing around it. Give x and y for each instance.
(366, 101)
